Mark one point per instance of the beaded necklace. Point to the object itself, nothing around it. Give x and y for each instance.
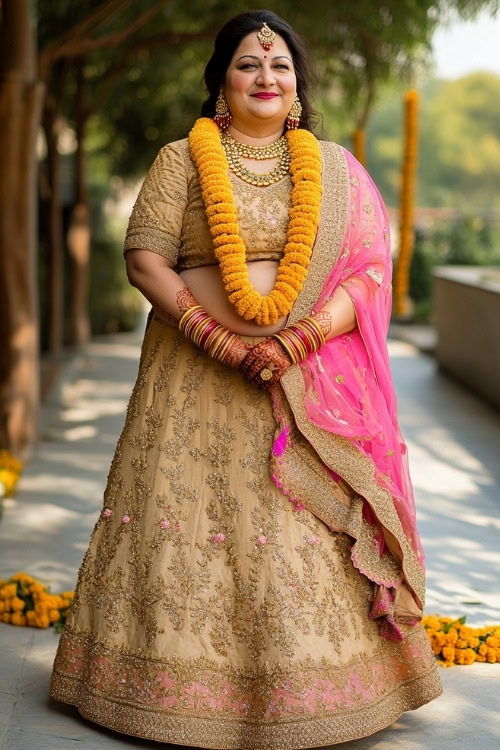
(235, 150)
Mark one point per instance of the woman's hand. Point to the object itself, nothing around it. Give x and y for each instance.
(267, 354)
(237, 353)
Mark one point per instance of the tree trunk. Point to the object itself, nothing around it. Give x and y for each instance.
(79, 230)
(54, 228)
(21, 96)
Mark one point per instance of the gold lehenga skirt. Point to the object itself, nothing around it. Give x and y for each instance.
(210, 611)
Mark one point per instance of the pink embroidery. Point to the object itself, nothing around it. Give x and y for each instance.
(107, 512)
(165, 523)
(261, 539)
(314, 540)
(219, 537)
(125, 519)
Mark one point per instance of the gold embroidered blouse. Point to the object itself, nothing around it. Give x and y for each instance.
(169, 218)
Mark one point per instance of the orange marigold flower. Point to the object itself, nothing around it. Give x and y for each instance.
(469, 656)
(448, 653)
(491, 656)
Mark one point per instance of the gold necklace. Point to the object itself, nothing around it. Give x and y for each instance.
(269, 151)
(234, 150)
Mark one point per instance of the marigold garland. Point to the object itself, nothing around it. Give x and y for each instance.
(24, 601)
(401, 282)
(213, 168)
(454, 642)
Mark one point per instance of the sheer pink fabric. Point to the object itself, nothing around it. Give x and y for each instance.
(349, 387)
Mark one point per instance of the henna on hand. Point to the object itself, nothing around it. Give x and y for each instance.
(185, 299)
(237, 353)
(324, 318)
(267, 353)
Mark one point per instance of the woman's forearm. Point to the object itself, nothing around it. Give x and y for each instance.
(171, 298)
(337, 316)
(161, 285)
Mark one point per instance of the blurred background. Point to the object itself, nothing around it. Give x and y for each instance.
(90, 91)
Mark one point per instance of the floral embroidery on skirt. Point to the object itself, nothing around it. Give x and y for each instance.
(210, 610)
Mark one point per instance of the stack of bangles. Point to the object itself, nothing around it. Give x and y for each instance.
(206, 333)
(301, 339)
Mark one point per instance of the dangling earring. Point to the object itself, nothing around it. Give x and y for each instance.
(223, 116)
(293, 118)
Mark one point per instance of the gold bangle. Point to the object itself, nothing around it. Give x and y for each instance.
(187, 312)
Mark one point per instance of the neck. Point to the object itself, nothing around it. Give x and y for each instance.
(255, 136)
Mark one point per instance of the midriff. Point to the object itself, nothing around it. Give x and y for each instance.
(205, 284)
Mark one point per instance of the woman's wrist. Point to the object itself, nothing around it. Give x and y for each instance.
(301, 339)
(207, 334)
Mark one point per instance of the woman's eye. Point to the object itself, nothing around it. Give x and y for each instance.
(252, 65)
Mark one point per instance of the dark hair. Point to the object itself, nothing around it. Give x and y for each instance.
(227, 41)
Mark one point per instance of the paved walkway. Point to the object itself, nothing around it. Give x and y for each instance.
(454, 446)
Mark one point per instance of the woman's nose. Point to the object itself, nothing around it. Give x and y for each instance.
(266, 77)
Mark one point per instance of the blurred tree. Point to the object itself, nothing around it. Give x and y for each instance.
(21, 97)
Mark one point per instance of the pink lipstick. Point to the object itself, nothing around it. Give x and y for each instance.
(264, 95)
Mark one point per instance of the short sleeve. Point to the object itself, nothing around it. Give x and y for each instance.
(156, 220)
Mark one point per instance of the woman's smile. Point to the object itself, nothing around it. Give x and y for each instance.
(264, 95)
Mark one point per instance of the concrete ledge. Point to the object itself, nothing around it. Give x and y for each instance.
(467, 318)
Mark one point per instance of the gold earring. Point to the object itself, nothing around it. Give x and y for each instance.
(293, 118)
(223, 116)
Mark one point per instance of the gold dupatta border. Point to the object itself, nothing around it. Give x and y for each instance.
(335, 450)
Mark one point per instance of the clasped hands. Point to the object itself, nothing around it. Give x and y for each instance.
(262, 364)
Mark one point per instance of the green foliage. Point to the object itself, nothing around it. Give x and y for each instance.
(459, 148)
(468, 240)
(114, 305)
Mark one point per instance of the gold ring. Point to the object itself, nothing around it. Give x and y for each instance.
(266, 374)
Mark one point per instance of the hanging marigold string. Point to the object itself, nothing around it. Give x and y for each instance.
(213, 168)
(401, 284)
(358, 144)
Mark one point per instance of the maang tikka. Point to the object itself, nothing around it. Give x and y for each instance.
(266, 37)
(222, 116)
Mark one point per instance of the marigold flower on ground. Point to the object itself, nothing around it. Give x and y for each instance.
(26, 601)
(453, 642)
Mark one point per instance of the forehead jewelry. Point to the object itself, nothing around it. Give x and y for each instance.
(266, 37)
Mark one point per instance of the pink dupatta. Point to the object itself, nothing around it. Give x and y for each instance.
(349, 387)
(346, 388)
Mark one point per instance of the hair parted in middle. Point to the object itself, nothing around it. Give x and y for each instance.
(228, 40)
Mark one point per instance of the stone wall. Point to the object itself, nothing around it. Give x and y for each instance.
(467, 319)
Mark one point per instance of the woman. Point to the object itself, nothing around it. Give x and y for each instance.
(255, 578)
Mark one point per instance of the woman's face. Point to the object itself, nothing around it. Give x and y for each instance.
(254, 70)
